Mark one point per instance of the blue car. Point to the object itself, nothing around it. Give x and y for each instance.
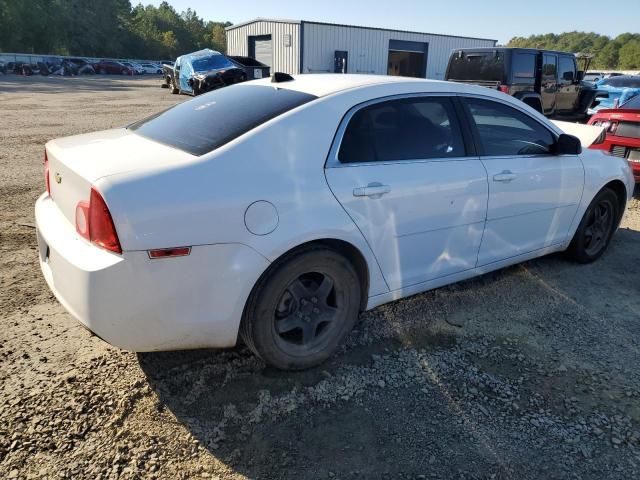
(201, 71)
(614, 91)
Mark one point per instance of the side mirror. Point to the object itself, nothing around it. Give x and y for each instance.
(567, 76)
(567, 145)
(580, 76)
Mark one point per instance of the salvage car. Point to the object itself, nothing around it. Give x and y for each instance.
(622, 127)
(200, 72)
(614, 91)
(277, 210)
(546, 80)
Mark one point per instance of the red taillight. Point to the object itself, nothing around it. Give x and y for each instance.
(94, 222)
(102, 231)
(504, 88)
(46, 173)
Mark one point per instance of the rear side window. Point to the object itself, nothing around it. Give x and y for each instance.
(488, 66)
(523, 67)
(550, 66)
(213, 119)
(404, 129)
(504, 130)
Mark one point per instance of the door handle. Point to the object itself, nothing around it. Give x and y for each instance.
(506, 176)
(373, 190)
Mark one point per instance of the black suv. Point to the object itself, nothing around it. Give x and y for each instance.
(546, 80)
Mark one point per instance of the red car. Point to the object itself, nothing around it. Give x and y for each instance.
(111, 66)
(622, 126)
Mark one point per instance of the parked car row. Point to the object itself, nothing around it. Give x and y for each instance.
(78, 66)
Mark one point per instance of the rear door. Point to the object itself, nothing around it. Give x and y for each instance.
(401, 170)
(533, 194)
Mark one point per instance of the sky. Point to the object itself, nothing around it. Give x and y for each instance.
(498, 20)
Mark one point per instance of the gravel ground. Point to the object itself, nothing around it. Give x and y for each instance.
(530, 372)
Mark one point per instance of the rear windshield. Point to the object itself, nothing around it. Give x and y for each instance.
(476, 66)
(211, 63)
(209, 121)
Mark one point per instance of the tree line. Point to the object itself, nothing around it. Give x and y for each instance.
(619, 53)
(105, 28)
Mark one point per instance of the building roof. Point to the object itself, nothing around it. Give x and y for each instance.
(299, 22)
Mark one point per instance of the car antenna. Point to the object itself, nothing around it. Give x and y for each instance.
(279, 77)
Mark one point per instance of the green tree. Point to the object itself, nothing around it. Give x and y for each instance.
(629, 55)
(218, 38)
(617, 53)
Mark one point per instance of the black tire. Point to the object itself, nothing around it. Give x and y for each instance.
(302, 309)
(596, 228)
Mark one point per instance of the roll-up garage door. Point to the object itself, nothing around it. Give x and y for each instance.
(261, 48)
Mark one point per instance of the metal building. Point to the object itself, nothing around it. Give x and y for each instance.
(300, 46)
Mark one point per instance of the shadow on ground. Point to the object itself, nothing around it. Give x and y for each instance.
(264, 423)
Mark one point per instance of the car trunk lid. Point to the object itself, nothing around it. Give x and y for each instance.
(77, 162)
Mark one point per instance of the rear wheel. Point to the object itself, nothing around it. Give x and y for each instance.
(172, 86)
(596, 228)
(303, 309)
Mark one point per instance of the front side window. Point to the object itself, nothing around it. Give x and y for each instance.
(503, 130)
(567, 72)
(209, 121)
(403, 129)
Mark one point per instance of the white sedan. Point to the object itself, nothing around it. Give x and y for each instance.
(150, 68)
(279, 209)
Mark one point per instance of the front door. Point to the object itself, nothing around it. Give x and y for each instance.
(400, 170)
(533, 194)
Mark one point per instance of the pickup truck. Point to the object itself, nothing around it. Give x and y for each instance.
(200, 72)
(548, 81)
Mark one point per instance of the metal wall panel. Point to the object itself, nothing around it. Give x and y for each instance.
(369, 48)
(285, 38)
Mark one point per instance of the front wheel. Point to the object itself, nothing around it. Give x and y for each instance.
(596, 228)
(302, 310)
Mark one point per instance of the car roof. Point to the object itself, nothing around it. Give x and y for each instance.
(323, 84)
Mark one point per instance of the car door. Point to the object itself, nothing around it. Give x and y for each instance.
(401, 170)
(568, 85)
(533, 194)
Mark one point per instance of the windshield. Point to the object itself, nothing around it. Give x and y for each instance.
(622, 82)
(213, 119)
(476, 66)
(211, 63)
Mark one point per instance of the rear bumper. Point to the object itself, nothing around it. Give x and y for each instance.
(139, 304)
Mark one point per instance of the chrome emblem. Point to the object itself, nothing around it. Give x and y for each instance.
(58, 178)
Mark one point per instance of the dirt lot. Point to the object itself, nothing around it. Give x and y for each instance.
(530, 372)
